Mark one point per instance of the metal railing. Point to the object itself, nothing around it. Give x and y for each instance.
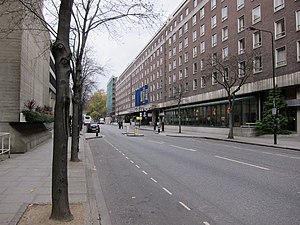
(5, 143)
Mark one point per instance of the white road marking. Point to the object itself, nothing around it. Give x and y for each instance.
(243, 163)
(123, 154)
(187, 149)
(137, 166)
(185, 206)
(126, 157)
(145, 172)
(157, 142)
(206, 223)
(131, 161)
(166, 190)
(153, 180)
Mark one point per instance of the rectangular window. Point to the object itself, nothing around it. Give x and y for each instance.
(187, 11)
(241, 24)
(242, 67)
(280, 57)
(180, 60)
(240, 4)
(298, 51)
(201, 64)
(186, 27)
(195, 84)
(202, 47)
(213, 21)
(225, 74)
(278, 4)
(213, 40)
(195, 3)
(186, 42)
(186, 70)
(256, 14)
(181, 17)
(174, 64)
(186, 57)
(256, 39)
(180, 74)
(194, 35)
(202, 30)
(203, 82)
(194, 19)
(214, 78)
(213, 4)
(225, 53)
(241, 46)
(180, 31)
(186, 88)
(180, 46)
(214, 59)
(279, 29)
(174, 51)
(170, 54)
(257, 64)
(174, 78)
(298, 20)
(195, 68)
(224, 33)
(174, 38)
(224, 13)
(202, 13)
(170, 41)
(194, 51)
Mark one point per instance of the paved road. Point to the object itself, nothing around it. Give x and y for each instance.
(165, 180)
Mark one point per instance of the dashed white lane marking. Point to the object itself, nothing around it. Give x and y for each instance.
(185, 206)
(137, 166)
(153, 180)
(243, 163)
(166, 190)
(126, 157)
(131, 161)
(206, 223)
(157, 142)
(144, 172)
(187, 149)
(123, 154)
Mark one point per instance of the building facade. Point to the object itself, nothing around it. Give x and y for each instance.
(198, 30)
(111, 99)
(24, 69)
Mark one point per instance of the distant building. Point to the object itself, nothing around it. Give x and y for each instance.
(197, 30)
(24, 69)
(111, 99)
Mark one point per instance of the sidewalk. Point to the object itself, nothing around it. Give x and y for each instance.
(291, 142)
(26, 179)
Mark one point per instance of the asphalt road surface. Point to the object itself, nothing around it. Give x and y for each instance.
(163, 180)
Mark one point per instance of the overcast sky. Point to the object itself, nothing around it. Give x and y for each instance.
(117, 55)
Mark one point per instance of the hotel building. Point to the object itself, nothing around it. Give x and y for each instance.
(176, 55)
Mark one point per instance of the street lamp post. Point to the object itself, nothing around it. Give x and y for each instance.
(274, 110)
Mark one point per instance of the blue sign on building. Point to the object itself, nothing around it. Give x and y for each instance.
(141, 96)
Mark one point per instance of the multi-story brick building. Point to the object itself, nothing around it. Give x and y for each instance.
(199, 29)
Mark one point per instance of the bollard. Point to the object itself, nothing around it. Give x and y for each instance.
(158, 129)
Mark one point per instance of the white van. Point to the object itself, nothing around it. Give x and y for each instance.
(87, 119)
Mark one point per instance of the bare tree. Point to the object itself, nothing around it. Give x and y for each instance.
(91, 15)
(177, 92)
(62, 55)
(231, 73)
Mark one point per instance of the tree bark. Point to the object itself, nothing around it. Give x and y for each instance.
(61, 51)
(231, 106)
(75, 123)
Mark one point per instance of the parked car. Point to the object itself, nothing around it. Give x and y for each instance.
(102, 121)
(87, 119)
(93, 127)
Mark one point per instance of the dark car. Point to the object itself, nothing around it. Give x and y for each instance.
(93, 127)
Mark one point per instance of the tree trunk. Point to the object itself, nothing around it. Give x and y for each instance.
(61, 51)
(231, 105)
(75, 124)
(179, 119)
